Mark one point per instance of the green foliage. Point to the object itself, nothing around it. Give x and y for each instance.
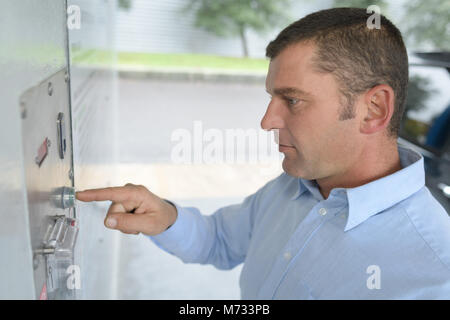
(170, 61)
(124, 4)
(182, 61)
(229, 17)
(427, 23)
(415, 129)
(419, 90)
(234, 17)
(362, 4)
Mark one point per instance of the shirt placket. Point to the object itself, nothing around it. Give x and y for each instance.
(318, 215)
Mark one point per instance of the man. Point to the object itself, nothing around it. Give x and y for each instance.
(351, 217)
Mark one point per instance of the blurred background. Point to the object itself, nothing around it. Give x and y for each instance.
(228, 38)
(142, 70)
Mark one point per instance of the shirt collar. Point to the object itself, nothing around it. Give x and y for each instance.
(371, 198)
(299, 190)
(307, 185)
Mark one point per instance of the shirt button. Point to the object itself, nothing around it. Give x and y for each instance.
(322, 211)
(287, 255)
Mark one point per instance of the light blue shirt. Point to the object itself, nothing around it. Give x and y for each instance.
(387, 239)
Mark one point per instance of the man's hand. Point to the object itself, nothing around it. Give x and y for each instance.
(134, 209)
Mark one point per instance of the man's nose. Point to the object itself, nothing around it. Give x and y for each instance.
(272, 119)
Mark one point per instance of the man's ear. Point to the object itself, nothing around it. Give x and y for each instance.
(379, 103)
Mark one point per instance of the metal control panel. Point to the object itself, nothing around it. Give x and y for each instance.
(47, 149)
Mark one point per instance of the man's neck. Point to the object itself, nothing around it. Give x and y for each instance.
(369, 167)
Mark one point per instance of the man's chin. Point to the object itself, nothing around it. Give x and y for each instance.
(290, 169)
(295, 170)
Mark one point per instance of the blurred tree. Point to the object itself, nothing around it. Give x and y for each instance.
(124, 4)
(235, 17)
(427, 23)
(362, 4)
(419, 90)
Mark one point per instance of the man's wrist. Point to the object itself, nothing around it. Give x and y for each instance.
(175, 210)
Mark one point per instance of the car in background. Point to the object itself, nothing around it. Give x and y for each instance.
(426, 122)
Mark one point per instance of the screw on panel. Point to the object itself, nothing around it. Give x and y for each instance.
(71, 174)
(23, 110)
(66, 76)
(50, 89)
(49, 143)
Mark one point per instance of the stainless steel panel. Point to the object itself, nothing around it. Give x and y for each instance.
(41, 107)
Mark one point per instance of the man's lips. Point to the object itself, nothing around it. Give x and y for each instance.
(285, 145)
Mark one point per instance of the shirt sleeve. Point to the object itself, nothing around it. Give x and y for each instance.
(221, 239)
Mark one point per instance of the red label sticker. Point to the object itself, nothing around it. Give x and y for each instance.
(43, 295)
(42, 152)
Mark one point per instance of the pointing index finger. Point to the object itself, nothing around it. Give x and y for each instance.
(117, 194)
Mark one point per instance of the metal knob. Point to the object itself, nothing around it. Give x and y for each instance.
(64, 197)
(68, 197)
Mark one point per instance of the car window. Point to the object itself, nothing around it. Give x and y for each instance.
(426, 121)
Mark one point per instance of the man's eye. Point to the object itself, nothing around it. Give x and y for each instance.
(292, 101)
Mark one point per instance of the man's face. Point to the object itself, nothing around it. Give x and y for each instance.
(305, 107)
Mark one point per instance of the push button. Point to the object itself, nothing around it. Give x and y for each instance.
(63, 197)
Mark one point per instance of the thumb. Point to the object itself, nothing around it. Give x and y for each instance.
(127, 222)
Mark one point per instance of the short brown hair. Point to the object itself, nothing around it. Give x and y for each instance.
(359, 57)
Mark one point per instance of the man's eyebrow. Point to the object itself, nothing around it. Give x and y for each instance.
(290, 91)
